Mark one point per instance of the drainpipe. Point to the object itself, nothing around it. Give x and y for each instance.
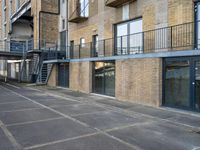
(67, 30)
(10, 23)
(10, 29)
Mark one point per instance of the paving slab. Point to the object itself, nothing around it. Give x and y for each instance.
(154, 112)
(108, 120)
(79, 109)
(160, 135)
(114, 103)
(186, 119)
(47, 131)
(26, 116)
(95, 142)
(11, 100)
(56, 102)
(18, 106)
(5, 144)
(38, 97)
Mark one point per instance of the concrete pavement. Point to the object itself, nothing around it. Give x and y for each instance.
(43, 118)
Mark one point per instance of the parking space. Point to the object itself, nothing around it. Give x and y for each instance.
(39, 118)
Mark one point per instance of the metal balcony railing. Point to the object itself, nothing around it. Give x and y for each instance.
(173, 38)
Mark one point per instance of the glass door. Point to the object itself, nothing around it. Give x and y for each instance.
(182, 83)
(177, 83)
(197, 86)
(104, 78)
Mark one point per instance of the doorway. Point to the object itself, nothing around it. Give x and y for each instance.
(182, 83)
(63, 75)
(104, 78)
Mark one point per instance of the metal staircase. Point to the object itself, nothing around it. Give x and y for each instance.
(44, 70)
(44, 74)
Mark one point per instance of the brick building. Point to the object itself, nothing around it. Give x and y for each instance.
(29, 26)
(142, 51)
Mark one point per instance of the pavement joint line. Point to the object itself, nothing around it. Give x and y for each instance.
(12, 86)
(61, 141)
(10, 137)
(18, 110)
(128, 126)
(196, 148)
(96, 112)
(119, 140)
(77, 121)
(65, 105)
(31, 122)
(56, 96)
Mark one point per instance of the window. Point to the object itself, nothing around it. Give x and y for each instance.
(17, 67)
(82, 42)
(129, 37)
(5, 29)
(63, 24)
(63, 40)
(125, 12)
(84, 8)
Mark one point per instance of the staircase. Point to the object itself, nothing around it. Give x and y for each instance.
(44, 73)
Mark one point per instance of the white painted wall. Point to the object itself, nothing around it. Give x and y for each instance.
(63, 14)
(21, 30)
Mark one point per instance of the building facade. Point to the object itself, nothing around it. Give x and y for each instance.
(142, 51)
(28, 27)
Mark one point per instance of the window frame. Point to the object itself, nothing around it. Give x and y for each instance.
(128, 22)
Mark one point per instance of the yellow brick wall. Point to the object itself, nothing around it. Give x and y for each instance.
(53, 76)
(180, 11)
(50, 6)
(49, 28)
(139, 81)
(81, 76)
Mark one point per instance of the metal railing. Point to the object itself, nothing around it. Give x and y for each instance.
(173, 38)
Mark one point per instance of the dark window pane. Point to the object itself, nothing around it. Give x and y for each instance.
(177, 84)
(197, 89)
(104, 78)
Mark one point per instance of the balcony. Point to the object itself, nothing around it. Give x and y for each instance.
(169, 39)
(117, 3)
(80, 14)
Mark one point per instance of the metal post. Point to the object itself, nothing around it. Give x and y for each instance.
(143, 42)
(91, 49)
(104, 47)
(171, 36)
(79, 51)
(121, 45)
